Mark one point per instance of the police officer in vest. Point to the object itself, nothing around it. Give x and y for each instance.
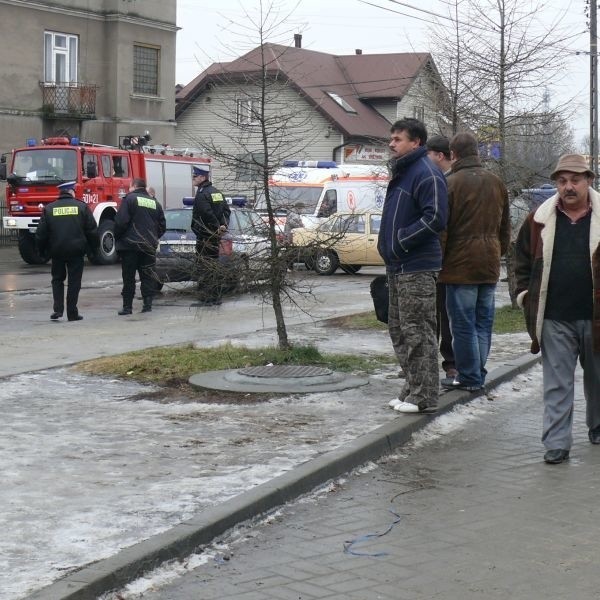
(67, 230)
(139, 223)
(210, 218)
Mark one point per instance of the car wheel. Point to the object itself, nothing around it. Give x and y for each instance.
(326, 262)
(351, 269)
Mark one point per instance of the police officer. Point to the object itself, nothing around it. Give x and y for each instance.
(66, 231)
(210, 218)
(139, 223)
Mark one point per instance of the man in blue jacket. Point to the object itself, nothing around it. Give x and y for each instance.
(414, 214)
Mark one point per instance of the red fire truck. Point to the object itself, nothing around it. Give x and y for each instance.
(103, 175)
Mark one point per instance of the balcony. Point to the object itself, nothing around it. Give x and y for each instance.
(68, 100)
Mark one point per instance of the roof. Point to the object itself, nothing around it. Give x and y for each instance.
(354, 79)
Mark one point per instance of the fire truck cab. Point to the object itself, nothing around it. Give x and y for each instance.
(103, 175)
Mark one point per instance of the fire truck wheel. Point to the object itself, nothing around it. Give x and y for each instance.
(29, 251)
(106, 253)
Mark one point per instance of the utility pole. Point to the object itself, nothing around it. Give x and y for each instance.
(593, 89)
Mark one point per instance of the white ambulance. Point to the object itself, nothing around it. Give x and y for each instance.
(314, 190)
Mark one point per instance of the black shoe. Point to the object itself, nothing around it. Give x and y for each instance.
(555, 457)
(75, 318)
(56, 315)
(455, 384)
(124, 311)
(146, 308)
(594, 435)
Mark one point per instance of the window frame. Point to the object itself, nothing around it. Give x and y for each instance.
(145, 84)
(70, 52)
(246, 111)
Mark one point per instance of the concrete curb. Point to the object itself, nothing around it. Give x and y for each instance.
(115, 572)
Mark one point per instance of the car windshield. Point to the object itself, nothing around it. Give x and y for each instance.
(178, 219)
(247, 222)
(49, 165)
(301, 199)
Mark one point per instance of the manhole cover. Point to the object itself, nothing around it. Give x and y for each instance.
(291, 371)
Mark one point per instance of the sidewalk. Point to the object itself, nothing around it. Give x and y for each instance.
(466, 511)
(299, 443)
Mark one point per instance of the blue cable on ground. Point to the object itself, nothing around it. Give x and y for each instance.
(363, 538)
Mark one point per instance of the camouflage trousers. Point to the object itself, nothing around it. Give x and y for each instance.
(412, 327)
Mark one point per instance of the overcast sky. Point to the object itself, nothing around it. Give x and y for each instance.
(221, 31)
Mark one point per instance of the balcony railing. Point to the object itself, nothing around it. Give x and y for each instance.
(68, 100)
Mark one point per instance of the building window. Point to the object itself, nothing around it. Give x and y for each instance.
(250, 167)
(145, 70)
(341, 102)
(60, 57)
(419, 112)
(247, 111)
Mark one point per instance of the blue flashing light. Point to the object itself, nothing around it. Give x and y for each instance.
(74, 141)
(319, 164)
(31, 142)
(188, 201)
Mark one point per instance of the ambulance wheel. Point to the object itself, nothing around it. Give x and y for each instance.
(326, 262)
(28, 249)
(350, 269)
(106, 254)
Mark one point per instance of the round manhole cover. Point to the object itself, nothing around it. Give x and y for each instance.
(290, 371)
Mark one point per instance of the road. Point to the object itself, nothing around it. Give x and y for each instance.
(32, 342)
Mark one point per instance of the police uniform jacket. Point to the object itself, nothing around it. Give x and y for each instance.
(67, 228)
(210, 211)
(139, 223)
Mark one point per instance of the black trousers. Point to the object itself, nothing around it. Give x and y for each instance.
(61, 269)
(209, 272)
(443, 329)
(133, 261)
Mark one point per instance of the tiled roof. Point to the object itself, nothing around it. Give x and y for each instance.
(354, 78)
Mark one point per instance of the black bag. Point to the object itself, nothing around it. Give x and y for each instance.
(381, 297)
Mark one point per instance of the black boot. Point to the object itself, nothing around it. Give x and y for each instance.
(147, 304)
(126, 310)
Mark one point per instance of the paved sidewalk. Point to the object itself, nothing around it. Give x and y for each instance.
(472, 514)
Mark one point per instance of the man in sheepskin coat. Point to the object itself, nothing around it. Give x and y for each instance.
(558, 278)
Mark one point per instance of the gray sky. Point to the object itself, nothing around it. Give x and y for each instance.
(221, 31)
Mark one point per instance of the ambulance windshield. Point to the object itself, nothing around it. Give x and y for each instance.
(49, 165)
(301, 199)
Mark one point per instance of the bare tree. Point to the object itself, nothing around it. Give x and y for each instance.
(255, 130)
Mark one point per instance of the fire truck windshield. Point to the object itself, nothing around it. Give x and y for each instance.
(45, 165)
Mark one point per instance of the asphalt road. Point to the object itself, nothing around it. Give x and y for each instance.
(32, 342)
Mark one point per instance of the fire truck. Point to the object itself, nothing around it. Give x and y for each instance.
(103, 175)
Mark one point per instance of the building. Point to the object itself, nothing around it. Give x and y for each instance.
(96, 70)
(316, 106)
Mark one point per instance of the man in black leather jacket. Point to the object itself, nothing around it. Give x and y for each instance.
(210, 218)
(139, 223)
(67, 230)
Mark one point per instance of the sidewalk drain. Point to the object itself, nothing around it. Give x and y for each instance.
(285, 371)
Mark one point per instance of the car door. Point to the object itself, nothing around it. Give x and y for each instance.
(373, 225)
(351, 247)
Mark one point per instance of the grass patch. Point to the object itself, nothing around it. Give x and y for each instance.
(509, 320)
(175, 364)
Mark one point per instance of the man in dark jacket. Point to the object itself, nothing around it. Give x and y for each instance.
(210, 218)
(67, 230)
(414, 214)
(478, 234)
(557, 268)
(139, 223)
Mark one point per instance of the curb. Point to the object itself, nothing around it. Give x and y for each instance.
(115, 572)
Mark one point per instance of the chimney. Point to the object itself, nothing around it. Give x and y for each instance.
(298, 40)
(358, 51)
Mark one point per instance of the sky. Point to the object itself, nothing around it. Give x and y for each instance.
(221, 31)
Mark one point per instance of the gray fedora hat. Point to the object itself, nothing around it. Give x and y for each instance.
(574, 163)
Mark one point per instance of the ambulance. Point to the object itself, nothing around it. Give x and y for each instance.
(311, 191)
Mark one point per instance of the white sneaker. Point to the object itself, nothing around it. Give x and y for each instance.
(406, 407)
(393, 403)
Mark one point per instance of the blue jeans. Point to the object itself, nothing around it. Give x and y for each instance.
(471, 313)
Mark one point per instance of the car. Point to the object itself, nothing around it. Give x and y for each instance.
(244, 243)
(347, 240)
